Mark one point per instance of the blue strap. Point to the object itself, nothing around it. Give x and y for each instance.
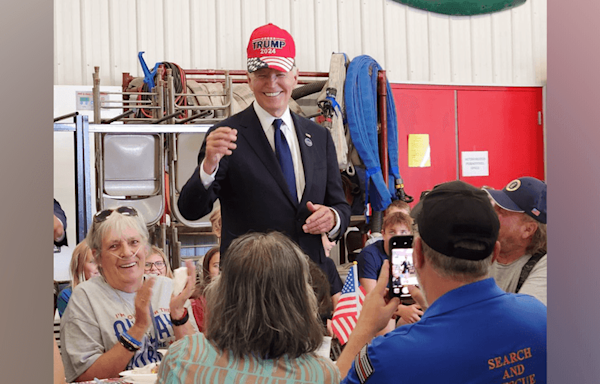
(130, 338)
(284, 156)
(336, 107)
(360, 92)
(360, 97)
(392, 129)
(372, 171)
(148, 76)
(368, 174)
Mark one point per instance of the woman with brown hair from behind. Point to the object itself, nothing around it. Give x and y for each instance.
(262, 320)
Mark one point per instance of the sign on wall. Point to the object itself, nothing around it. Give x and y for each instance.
(419, 152)
(475, 163)
(84, 100)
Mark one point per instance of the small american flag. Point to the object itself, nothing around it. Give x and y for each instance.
(348, 307)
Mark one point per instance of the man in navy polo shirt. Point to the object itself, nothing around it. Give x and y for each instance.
(472, 331)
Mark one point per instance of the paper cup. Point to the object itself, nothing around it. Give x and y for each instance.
(325, 348)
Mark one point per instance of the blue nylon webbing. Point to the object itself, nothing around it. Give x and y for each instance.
(360, 97)
(336, 107)
(392, 135)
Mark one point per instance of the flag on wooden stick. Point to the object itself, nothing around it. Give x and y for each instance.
(349, 306)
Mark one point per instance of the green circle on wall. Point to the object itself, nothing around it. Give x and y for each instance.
(462, 7)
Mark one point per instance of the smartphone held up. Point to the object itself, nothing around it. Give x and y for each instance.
(402, 268)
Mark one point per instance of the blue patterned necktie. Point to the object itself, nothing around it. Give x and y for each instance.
(284, 156)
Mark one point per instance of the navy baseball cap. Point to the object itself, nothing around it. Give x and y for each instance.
(525, 194)
(454, 212)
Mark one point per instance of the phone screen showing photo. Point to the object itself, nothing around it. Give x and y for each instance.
(403, 270)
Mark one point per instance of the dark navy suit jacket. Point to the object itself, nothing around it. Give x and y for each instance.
(253, 193)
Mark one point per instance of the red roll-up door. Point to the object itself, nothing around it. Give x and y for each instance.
(506, 123)
(426, 110)
(503, 121)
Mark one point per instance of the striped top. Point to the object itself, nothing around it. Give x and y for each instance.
(194, 360)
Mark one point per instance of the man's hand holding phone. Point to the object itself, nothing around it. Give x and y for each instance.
(377, 309)
(409, 313)
(376, 312)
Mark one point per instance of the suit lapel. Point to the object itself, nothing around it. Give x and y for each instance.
(255, 136)
(308, 157)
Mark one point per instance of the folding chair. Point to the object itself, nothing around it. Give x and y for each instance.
(130, 171)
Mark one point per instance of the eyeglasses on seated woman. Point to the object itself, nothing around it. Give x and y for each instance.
(157, 263)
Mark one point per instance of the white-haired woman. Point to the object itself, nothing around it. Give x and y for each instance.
(262, 321)
(119, 320)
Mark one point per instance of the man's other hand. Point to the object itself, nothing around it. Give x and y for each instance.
(322, 219)
(219, 143)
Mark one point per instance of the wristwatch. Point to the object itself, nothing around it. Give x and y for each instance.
(183, 320)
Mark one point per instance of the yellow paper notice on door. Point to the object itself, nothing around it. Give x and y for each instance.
(418, 150)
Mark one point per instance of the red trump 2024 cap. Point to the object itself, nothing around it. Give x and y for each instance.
(271, 47)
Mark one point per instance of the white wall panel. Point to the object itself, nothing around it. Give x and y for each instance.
(253, 14)
(372, 35)
(203, 41)
(439, 48)
(396, 64)
(349, 27)
(481, 49)
(505, 48)
(502, 47)
(326, 33)
(122, 39)
(303, 30)
(231, 50)
(68, 46)
(278, 12)
(95, 45)
(418, 45)
(523, 68)
(177, 32)
(539, 44)
(460, 58)
(150, 33)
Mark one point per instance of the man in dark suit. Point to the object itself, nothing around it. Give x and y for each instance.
(243, 160)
